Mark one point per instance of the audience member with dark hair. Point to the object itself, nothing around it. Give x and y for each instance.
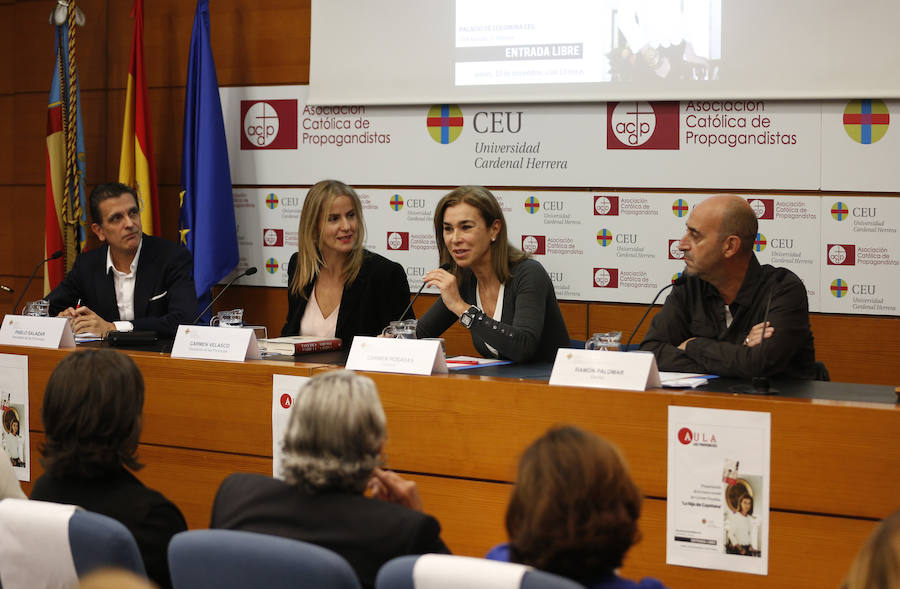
(877, 566)
(574, 510)
(92, 419)
(334, 438)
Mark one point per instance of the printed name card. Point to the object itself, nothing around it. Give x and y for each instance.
(200, 342)
(406, 356)
(37, 332)
(631, 371)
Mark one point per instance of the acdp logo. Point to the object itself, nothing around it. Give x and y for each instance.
(606, 277)
(444, 123)
(398, 240)
(841, 254)
(534, 244)
(763, 208)
(606, 205)
(642, 125)
(269, 124)
(273, 237)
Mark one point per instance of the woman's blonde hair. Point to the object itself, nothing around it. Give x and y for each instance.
(878, 563)
(503, 254)
(309, 234)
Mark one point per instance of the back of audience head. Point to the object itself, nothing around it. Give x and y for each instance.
(574, 508)
(92, 414)
(877, 566)
(335, 433)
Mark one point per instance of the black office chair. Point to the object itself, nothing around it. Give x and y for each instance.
(822, 372)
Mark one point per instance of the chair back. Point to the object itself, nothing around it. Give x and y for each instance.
(229, 559)
(443, 571)
(48, 545)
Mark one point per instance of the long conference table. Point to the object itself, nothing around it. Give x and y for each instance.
(834, 468)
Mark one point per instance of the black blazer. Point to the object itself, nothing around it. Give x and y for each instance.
(366, 532)
(378, 296)
(164, 294)
(151, 518)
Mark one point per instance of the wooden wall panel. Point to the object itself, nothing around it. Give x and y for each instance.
(8, 143)
(8, 50)
(22, 249)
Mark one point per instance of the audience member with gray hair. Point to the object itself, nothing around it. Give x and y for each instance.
(332, 450)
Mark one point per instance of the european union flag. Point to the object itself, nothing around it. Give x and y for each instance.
(206, 225)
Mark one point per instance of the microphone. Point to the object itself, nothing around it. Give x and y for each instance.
(677, 282)
(248, 272)
(446, 266)
(759, 385)
(55, 255)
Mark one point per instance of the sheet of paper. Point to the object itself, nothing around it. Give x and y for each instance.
(14, 435)
(717, 510)
(684, 380)
(284, 391)
(467, 362)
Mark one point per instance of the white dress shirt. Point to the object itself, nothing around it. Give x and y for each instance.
(124, 285)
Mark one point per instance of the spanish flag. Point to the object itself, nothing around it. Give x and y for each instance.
(136, 166)
(65, 188)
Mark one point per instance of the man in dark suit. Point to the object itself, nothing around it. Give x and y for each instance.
(136, 282)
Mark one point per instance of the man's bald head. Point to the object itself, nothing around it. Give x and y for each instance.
(736, 217)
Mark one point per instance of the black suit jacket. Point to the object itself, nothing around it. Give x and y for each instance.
(366, 532)
(378, 296)
(151, 518)
(164, 294)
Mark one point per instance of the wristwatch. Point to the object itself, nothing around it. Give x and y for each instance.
(467, 318)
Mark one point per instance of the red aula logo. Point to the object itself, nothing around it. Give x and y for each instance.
(686, 436)
(642, 125)
(269, 124)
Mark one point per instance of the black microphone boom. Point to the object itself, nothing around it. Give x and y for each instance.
(248, 272)
(421, 288)
(759, 385)
(55, 255)
(677, 282)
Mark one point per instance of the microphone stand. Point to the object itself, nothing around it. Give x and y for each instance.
(759, 385)
(55, 255)
(677, 282)
(248, 272)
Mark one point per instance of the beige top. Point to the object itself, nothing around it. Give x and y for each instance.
(313, 323)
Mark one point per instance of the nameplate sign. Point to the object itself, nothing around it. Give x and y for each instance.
(37, 332)
(631, 371)
(215, 343)
(406, 356)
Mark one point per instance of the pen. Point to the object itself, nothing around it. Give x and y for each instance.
(465, 362)
(78, 304)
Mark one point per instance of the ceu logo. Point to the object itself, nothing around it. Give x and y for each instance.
(532, 204)
(272, 201)
(642, 125)
(839, 288)
(398, 240)
(839, 211)
(841, 254)
(674, 252)
(604, 237)
(866, 121)
(676, 276)
(759, 244)
(444, 123)
(273, 237)
(271, 265)
(606, 277)
(764, 208)
(396, 202)
(534, 244)
(269, 124)
(680, 208)
(685, 436)
(606, 205)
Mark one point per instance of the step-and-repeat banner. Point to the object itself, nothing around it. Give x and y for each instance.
(596, 245)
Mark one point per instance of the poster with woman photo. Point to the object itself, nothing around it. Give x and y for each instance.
(14, 413)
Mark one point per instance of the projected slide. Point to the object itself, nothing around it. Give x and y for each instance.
(500, 42)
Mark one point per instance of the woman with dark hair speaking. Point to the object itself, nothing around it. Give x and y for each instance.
(336, 288)
(332, 450)
(92, 418)
(492, 288)
(574, 510)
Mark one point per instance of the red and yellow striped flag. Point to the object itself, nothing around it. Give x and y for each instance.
(136, 165)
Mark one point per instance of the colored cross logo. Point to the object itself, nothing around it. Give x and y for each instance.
(532, 204)
(680, 207)
(839, 211)
(272, 200)
(271, 265)
(604, 237)
(866, 121)
(396, 202)
(676, 276)
(759, 244)
(838, 288)
(444, 123)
